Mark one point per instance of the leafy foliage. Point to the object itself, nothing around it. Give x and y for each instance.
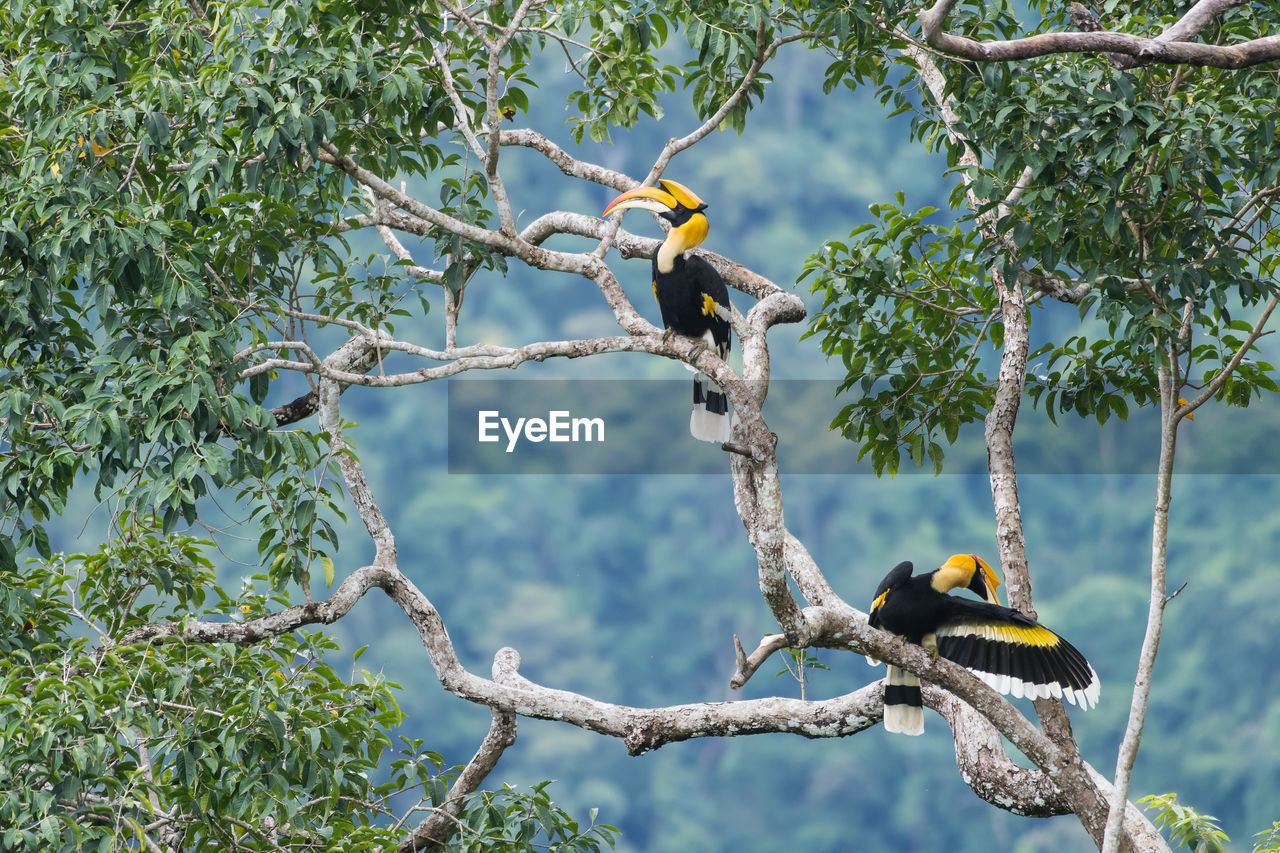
(1268, 841)
(512, 821)
(1187, 827)
(118, 743)
(178, 214)
(906, 310)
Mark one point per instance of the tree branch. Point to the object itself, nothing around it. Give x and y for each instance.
(748, 664)
(357, 486)
(984, 767)
(357, 356)
(1128, 751)
(435, 831)
(1000, 422)
(572, 167)
(1169, 48)
(764, 52)
(1223, 375)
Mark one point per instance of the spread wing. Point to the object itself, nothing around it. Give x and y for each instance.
(1014, 654)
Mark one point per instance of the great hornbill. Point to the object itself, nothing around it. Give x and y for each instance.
(691, 295)
(1011, 652)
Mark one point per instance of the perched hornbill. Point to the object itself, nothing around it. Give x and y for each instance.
(1011, 652)
(691, 294)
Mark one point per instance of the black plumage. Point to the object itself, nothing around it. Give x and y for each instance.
(682, 298)
(1008, 650)
(691, 294)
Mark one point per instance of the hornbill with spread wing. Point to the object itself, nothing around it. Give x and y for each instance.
(1011, 652)
(691, 295)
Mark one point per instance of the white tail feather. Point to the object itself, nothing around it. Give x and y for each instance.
(903, 719)
(704, 424)
(708, 426)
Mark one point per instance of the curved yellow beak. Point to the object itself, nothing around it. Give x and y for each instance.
(645, 198)
(672, 195)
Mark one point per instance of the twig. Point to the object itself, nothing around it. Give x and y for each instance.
(1171, 596)
(748, 664)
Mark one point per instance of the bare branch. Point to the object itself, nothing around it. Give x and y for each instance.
(1172, 416)
(1197, 18)
(1128, 751)
(356, 356)
(451, 89)
(393, 244)
(1171, 596)
(483, 357)
(571, 166)
(764, 52)
(748, 664)
(477, 30)
(1169, 48)
(357, 486)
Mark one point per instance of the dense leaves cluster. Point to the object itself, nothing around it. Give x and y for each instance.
(176, 217)
(512, 821)
(916, 290)
(117, 743)
(166, 161)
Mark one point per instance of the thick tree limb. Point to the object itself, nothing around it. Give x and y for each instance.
(808, 577)
(757, 495)
(1169, 48)
(984, 767)
(643, 729)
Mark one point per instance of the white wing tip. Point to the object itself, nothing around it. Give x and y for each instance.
(1086, 697)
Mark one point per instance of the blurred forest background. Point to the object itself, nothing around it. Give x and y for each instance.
(629, 588)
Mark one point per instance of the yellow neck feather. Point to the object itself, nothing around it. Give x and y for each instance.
(951, 577)
(680, 239)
